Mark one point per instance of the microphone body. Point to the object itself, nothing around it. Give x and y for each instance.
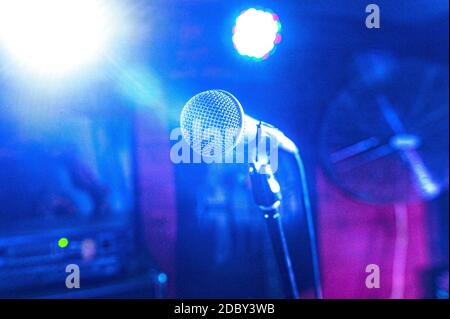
(216, 116)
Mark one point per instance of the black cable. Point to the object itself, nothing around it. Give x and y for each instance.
(310, 225)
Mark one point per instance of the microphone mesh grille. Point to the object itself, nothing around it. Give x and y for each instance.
(212, 111)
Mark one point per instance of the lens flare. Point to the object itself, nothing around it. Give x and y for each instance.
(54, 36)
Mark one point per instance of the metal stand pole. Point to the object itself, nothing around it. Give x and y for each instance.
(267, 195)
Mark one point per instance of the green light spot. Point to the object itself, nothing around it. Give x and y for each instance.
(63, 242)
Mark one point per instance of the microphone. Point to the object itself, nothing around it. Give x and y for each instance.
(216, 117)
(219, 114)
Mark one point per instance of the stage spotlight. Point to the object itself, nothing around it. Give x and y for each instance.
(256, 33)
(54, 36)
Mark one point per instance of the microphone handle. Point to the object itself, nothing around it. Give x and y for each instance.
(253, 127)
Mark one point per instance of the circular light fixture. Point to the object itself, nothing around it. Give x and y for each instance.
(256, 33)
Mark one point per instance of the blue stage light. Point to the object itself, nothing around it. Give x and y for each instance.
(256, 33)
(162, 278)
(54, 36)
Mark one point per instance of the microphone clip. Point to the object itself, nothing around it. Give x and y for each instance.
(266, 189)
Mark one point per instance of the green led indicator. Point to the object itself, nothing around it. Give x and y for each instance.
(63, 242)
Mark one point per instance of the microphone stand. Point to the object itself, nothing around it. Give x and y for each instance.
(267, 195)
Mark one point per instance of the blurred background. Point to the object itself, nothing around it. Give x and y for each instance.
(90, 91)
